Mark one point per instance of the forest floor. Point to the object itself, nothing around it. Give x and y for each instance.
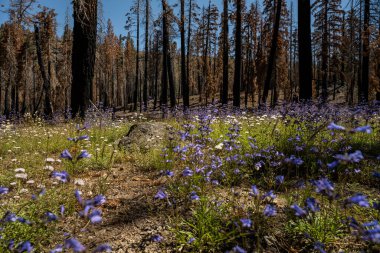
(296, 180)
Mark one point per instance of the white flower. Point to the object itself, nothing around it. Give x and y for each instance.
(79, 181)
(23, 190)
(219, 146)
(21, 175)
(30, 182)
(20, 170)
(48, 167)
(50, 160)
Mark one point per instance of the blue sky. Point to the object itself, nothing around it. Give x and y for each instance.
(114, 9)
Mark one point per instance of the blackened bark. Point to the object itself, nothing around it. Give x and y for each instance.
(136, 88)
(48, 109)
(145, 89)
(304, 50)
(165, 42)
(272, 55)
(325, 46)
(237, 76)
(363, 87)
(184, 79)
(83, 54)
(225, 53)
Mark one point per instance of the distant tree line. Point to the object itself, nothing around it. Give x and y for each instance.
(254, 54)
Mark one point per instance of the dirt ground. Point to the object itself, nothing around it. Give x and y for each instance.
(130, 217)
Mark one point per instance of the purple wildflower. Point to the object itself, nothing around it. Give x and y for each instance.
(298, 210)
(323, 186)
(320, 247)
(74, 244)
(83, 154)
(4, 190)
(312, 205)
(103, 248)
(363, 129)
(238, 249)
(255, 191)
(58, 248)
(194, 196)
(187, 172)
(25, 247)
(62, 176)
(359, 199)
(62, 210)
(157, 238)
(95, 216)
(160, 195)
(66, 155)
(279, 179)
(51, 216)
(246, 223)
(270, 210)
(334, 126)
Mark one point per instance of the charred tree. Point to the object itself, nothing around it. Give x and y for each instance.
(238, 51)
(363, 85)
(304, 50)
(83, 54)
(184, 79)
(225, 53)
(272, 54)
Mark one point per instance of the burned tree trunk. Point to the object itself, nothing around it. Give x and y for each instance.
(83, 54)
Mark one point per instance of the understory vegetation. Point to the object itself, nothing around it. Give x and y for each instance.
(294, 179)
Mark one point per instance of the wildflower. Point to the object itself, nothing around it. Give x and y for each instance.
(376, 174)
(334, 126)
(298, 210)
(255, 191)
(58, 248)
(160, 195)
(191, 240)
(83, 154)
(279, 179)
(62, 210)
(194, 196)
(320, 247)
(51, 216)
(269, 194)
(21, 176)
(96, 201)
(359, 199)
(66, 155)
(95, 216)
(78, 196)
(246, 223)
(74, 244)
(169, 173)
(372, 232)
(4, 190)
(62, 176)
(219, 146)
(356, 156)
(157, 238)
(270, 210)
(238, 249)
(294, 160)
(363, 129)
(103, 248)
(332, 165)
(323, 186)
(20, 170)
(25, 247)
(187, 172)
(312, 205)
